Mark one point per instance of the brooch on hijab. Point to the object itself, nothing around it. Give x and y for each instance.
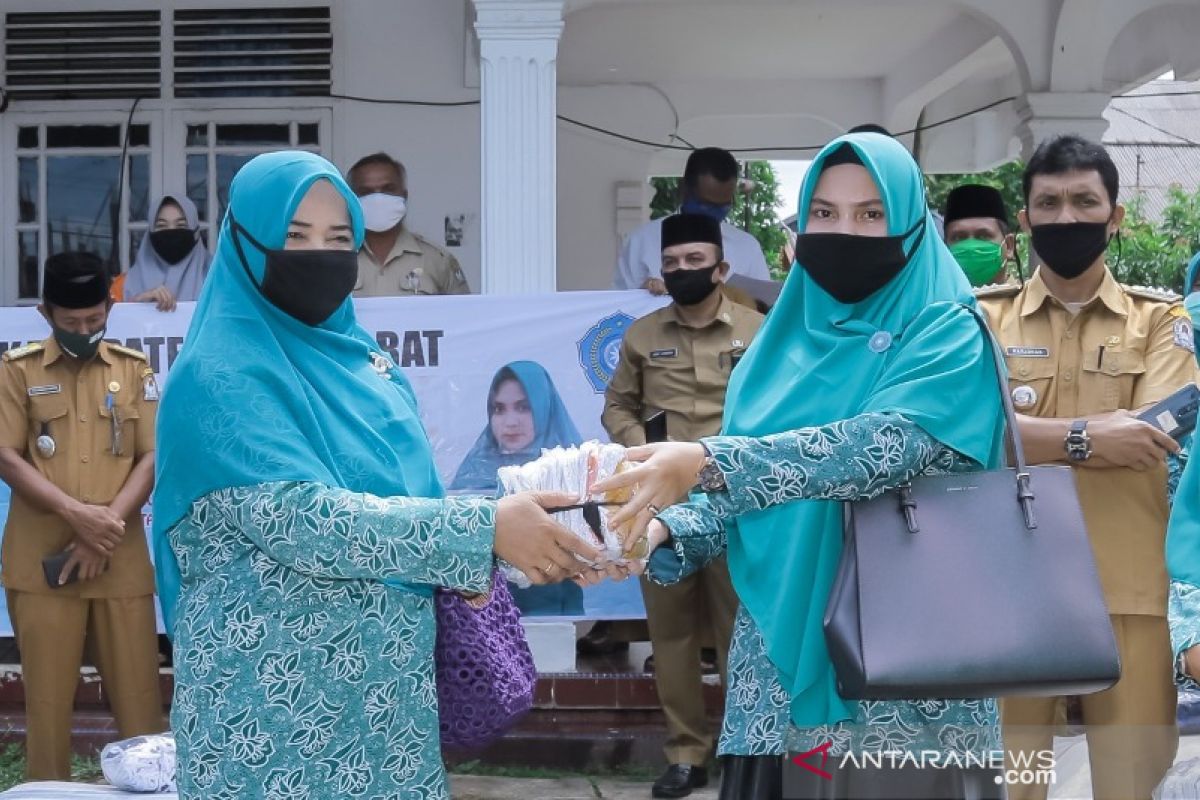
(879, 342)
(381, 365)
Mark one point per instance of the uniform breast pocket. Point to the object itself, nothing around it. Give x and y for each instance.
(118, 430)
(729, 359)
(1109, 377)
(1031, 384)
(664, 375)
(47, 417)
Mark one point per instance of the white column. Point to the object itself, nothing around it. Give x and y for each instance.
(518, 51)
(1046, 114)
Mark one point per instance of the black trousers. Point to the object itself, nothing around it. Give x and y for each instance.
(761, 778)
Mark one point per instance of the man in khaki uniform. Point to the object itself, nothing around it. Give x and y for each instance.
(77, 449)
(677, 360)
(394, 260)
(1082, 353)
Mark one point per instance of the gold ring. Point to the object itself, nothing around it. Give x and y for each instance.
(549, 568)
(654, 509)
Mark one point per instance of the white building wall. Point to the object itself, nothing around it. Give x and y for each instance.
(412, 50)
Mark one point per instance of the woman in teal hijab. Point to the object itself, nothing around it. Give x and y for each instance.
(519, 428)
(300, 528)
(870, 369)
(1183, 537)
(525, 416)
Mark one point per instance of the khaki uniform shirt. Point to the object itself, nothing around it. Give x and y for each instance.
(1124, 349)
(414, 266)
(667, 366)
(40, 388)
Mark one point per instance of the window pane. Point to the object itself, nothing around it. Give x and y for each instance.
(139, 188)
(27, 138)
(197, 135)
(227, 167)
(307, 134)
(83, 136)
(81, 204)
(139, 135)
(135, 241)
(27, 189)
(27, 259)
(197, 183)
(252, 134)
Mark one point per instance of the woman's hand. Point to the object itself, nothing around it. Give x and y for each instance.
(613, 571)
(1191, 658)
(657, 534)
(666, 474)
(161, 297)
(529, 538)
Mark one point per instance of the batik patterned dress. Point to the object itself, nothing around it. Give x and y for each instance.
(299, 672)
(854, 459)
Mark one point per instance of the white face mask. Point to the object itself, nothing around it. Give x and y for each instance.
(382, 212)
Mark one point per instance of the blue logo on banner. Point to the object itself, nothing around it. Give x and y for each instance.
(600, 349)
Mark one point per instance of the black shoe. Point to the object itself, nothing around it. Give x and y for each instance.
(598, 642)
(679, 780)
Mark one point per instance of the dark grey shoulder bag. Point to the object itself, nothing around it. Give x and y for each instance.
(978, 584)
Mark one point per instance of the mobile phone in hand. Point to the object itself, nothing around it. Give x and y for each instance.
(1175, 415)
(53, 566)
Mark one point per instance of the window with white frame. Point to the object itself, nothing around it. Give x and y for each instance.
(215, 151)
(69, 196)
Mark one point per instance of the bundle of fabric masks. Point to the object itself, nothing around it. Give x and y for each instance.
(574, 470)
(144, 764)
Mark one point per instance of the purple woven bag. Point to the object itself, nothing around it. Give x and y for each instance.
(485, 672)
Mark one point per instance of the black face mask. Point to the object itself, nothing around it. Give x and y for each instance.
(688, 287)
(173, 244)
(1069, 248)
(306, 284)
(851, 268)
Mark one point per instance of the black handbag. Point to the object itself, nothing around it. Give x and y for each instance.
(971, 585)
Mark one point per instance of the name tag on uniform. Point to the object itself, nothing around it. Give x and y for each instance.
(49, 388)
(671, 353)
(1027, 352)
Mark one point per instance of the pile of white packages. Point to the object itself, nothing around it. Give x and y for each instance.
(573, 470)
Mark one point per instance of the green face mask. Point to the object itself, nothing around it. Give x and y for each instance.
(979, 259)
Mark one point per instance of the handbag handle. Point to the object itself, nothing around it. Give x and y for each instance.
(1025, 496)
(1012, 434)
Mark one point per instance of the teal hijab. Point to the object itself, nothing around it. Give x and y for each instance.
(258, 396)
(912, 349)
(1183, 532)
(552, 427)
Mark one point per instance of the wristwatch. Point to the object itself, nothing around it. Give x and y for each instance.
(1078, 443)
(710, 478)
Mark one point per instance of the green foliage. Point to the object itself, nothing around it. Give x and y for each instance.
(1156, 253)
(1006, 178)
(1150, 252)
(756, 213)
(12, 767)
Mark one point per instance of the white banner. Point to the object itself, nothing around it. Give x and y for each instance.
(451, 348)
